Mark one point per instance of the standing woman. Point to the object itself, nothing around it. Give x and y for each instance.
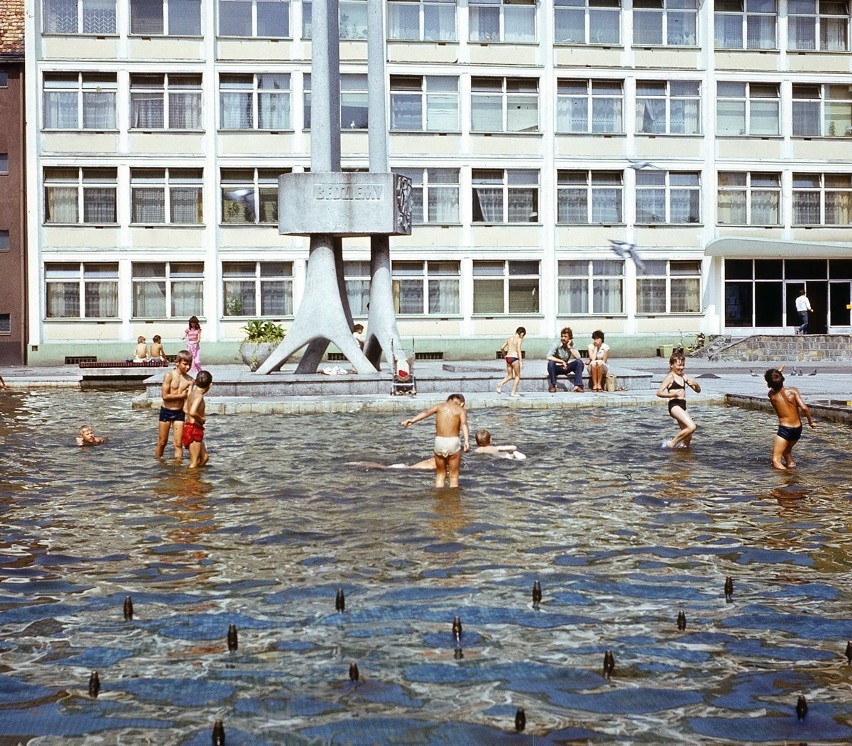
(673, 388)
(192, 335)
(513, 357)
(598, 356)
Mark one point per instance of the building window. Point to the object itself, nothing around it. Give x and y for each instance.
(434, 194)
(79, 101)
(357, 280)
(352, 18)
(749, 198)
(747, 109)
(426, 288)
(668, 197)
(422, 20)
(669, 287)
(163, 290)
(260, 19)
(5, 323)
(822, 199)
(505, 287)
(506, 20)
(745, 24)
(353, 101)
(590, 286)
(822, 110)
(166, 196)
(818, 22)
(86, 290)
(257, 288)
(4, 79)
(171, 101)
(5, 240)
(668, 107)
(589, 197)
(79, 17)
(260, 101)
(165, 17)
(428, 103)
(4, 163)
(587, 22)
(671, 23)
(509, 196)
(504, 104)
(250, 195)
(589, 106)
(80, 195)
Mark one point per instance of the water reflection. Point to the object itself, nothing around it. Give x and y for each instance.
(621, 534)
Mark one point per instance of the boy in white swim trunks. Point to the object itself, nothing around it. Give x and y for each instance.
(450, 419)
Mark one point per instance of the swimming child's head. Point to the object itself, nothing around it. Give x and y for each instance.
(204, 379)
(483, 438)
(774, 379)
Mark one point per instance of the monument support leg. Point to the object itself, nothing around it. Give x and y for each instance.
(321, 317)
(382, 331)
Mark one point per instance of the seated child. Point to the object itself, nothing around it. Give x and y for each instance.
(86, 437)
(140, 354)
(157, 351)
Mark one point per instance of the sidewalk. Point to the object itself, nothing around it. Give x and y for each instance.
(832, 382)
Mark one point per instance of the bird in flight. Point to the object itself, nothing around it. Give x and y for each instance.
(638, 165)
(626, 249)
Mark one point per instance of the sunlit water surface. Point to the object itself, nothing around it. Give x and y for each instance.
(621, 534)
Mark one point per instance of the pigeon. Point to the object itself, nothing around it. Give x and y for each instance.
(814, 373)
(626, 249)
(751, 370)
(638, 165)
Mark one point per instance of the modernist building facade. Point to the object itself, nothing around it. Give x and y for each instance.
(717, 139)
(13, 244)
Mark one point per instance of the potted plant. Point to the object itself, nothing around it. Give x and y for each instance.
(262, 337)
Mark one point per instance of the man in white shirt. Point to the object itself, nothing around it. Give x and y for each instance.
(803, 305)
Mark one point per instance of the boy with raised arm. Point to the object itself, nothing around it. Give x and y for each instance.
(450, 419)
(787, 402)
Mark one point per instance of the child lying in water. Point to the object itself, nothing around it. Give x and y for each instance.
(86, 437)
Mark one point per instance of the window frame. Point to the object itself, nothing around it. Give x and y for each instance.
(487, 11)
(263, 277)
(174, 274)
(429, 14)
(80, 20)
(597, 91)
(747, 193)
(425, 188)
(399, 94)
(645, 183)
(507, 92)
(170, 181)
(589, 283)
(352, 86)
(506, 181)
(254, 19)
(86, 85)
(749, 15)
(174, 87)
(675, 96)
(356, 31)
(259, 183)
(749, 102)
(85, 178)
(820, 20)
(501, 270)
(822, 190)
(86, 277)
(666, 12)
(428, 274)
(594, 185)
(594, 12)
(167, 18)
(670, 278)
(805, 105)
(253, 90)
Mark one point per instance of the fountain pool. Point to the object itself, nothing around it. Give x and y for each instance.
(621, 535)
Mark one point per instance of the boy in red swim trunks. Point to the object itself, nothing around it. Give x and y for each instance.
(786, 402)
(193, 427)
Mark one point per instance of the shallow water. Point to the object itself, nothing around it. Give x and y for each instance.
(621, 534)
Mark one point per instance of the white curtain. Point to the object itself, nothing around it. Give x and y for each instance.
(236, 111)
(60, 110)
(185, 110)
(146, 111)
(487, 205)
(99, 111)
(99, 205)
(185, 205)
(404, 21)
(60, 205)
(444, 296)
(149, 205)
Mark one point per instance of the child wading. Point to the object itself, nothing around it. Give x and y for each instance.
(787, 402)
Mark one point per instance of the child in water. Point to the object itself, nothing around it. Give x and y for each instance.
(86, 437)
(787, 402)
(673, 388)
(193, 427)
